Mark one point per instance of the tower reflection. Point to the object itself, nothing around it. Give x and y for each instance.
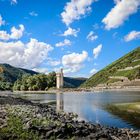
(59, 102)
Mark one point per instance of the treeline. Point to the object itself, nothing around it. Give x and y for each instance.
(35, 82)
(5, 86)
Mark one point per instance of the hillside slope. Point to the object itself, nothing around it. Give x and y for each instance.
(10, 74)
(124, 70)
(70, 82)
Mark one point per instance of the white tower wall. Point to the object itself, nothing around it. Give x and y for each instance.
(59, 79)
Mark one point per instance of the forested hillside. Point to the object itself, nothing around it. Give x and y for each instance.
(9, 74)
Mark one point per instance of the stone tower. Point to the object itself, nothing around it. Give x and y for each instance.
(59, 79)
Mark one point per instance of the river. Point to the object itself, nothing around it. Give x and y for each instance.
(91, 106)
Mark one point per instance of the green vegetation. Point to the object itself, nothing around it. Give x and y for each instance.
(9, 74)
(70, 82)
(127, 107)
(15, 130)
(135, 63)
(23, 79)
(27, 123)
(128, 111)
(5, 86)
(43, 82)
(102, 77)
(131, 74)
(113, 80)
(35, 82)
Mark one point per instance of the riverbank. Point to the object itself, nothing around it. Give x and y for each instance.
(62, 90)
(129, 107)
(22, 119)
(127, 111)
(79, 90)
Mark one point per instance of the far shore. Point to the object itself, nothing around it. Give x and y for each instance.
(78, 90)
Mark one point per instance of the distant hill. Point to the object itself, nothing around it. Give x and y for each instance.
(71, 82)
(124, 71)
(10, 74)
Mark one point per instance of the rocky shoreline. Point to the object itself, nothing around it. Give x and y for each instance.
(23, 120)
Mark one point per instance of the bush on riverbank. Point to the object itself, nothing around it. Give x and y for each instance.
(5, 86)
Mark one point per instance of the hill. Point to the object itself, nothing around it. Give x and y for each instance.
(123, 72)
(10, 74)
(70, 82)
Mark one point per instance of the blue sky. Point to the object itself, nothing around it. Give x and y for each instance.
(81, 36)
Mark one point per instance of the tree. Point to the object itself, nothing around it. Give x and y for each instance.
(52, 79)
(1, 70)
(36, 82)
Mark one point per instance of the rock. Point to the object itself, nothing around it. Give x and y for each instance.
(49, 134)
(103, 138)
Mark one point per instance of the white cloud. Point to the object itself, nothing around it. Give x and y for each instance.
(4, 35)
(66, 42)
(28, 55)
(73, 69)
(15, 33)
(122, 10)
(74, 58)
(91, 36)
(57, 69)
(74, 62)
(93, 71)
(71, 32)
(75, 9)
(97, 50)
(54, 62)
(132, 36)
(33, 13)
(13, 2)
(41, 70)
(2, 22)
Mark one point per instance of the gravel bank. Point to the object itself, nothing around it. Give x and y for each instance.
(23, 120)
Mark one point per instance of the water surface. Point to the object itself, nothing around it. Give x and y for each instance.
(91, 106)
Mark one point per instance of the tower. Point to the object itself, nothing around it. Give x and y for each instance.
(59, 79)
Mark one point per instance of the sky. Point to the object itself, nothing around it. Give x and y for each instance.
(80, 36)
